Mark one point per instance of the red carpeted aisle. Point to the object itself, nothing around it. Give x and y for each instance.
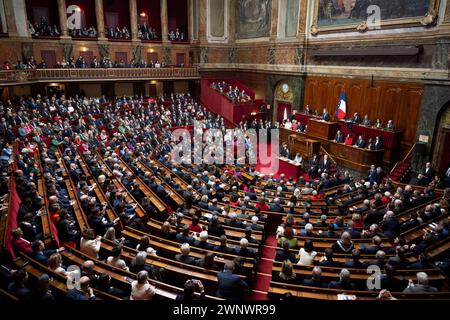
(264, 272)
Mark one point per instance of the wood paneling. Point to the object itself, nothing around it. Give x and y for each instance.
(380, 99)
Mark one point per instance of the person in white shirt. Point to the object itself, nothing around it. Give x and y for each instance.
(307, 254)
(141, 289)
(298, 158)
(90, 245)
(115, 260)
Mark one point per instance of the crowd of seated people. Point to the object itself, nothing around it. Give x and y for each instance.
(31, 63)
(147, 33)
(131, 130)
(43, 29)
(118, 33)
(371, 144)
(355, 119)
(85, 32)
(233, 94)
(176, 35)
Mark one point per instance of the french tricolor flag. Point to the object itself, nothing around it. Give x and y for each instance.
(341, 111)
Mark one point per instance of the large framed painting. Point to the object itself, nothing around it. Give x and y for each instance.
(366, 15)
(253, 18)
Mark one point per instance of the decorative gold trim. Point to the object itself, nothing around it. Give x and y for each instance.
(362, 27)
(429, 19)
(314, 30)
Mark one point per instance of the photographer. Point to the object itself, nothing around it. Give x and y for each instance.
(189, 291)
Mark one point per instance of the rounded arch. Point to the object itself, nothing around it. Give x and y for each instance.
(441, 141)
(283, 99)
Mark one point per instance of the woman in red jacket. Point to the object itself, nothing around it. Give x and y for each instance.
(349, 140)
(20, 244)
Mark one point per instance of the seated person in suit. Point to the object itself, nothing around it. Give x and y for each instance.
(17, 286)
(390, 125)
(422, 284)
(325, 115)
(327, 259)
(378, 144)
(360, 143)
(40, 254)
(184, 255)
(285, 254)
(315, 280)
(184, 237)
(355, 263)
(276, 206)
(379, 124)
(330, 233)
(339, 137)
(343, 245)
(84, 293)
(230, 286)
(344, 281)
(374, 248)
(356, 118)
(244, 250)
(223, 247)
(203, 241)
(370, 144)
(233, 221)
(366, 121)
(348, 140)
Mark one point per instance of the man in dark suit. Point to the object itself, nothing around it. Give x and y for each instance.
(339, 137)
(344, 281)
(285, 254)
(203, 242)
(428, 172)
(315, 280)
(40, 254)
(324, 164)
(356, 118)
(355, 262)
(325, 115)
(231, 286)
(184, 255)
(422, 284)
(276, 206)
(360, 143)
(184, 237)
(83, 294)
(244, 250)
(223, 246)
(378, 145)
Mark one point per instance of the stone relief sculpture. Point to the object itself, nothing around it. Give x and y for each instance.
(271, 56)
(232, 55)
(253, 18)
(137, 53)
(441, 56)
(298, 59)
(27, 50)
(204, 55)
(167, 55)
(104, 50)
(67, 51)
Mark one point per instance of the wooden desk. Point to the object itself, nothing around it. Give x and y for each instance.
(322, 129)
(306, 147)
(290, 168)
(356, 158)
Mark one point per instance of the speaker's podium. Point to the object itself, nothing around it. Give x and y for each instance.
(306, 147)
(322, 129)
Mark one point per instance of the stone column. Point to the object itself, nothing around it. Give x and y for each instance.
(62, 12)
(201, 12)
(164, 21)
(274, 20)
(10, 18)
(133, 20)
(189, 36)
(100, 19)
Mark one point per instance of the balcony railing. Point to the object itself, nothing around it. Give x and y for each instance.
(90, 74)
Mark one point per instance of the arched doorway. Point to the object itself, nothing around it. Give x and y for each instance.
(283, 99)
(441, 145)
